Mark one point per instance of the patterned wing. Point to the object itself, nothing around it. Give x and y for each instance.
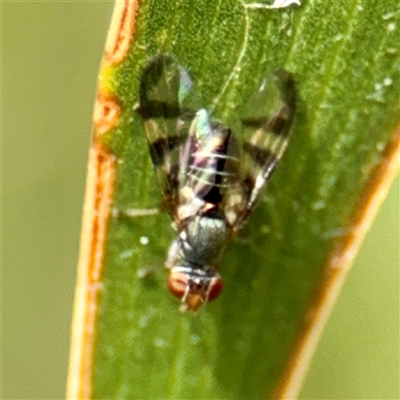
(164, 89)
(266, 123)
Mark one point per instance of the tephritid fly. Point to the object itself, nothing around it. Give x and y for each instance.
(210, 180)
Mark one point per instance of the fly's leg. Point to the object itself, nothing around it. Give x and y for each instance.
(134, 212)
(173, 254)
(143, 273)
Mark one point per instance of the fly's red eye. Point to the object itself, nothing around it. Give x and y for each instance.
(215, 288)
(177, 283)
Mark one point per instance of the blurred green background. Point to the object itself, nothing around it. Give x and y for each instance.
(50, 59)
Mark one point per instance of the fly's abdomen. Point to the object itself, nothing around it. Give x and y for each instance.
(210, 167)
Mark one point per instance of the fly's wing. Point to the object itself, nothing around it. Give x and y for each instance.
(164, 88)
(266, 123)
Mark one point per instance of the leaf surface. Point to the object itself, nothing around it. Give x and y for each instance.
(344, 56)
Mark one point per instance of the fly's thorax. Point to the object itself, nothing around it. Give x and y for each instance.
(194, 285)
(203, 239)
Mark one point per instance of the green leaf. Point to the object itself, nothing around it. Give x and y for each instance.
(344, 56)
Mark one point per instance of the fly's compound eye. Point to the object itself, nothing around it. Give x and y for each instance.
(178, 283)
(194, 290)
(215, 288)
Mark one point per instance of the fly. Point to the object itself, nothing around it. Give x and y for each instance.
(210, 180)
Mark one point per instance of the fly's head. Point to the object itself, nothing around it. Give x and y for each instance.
(194, 285)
